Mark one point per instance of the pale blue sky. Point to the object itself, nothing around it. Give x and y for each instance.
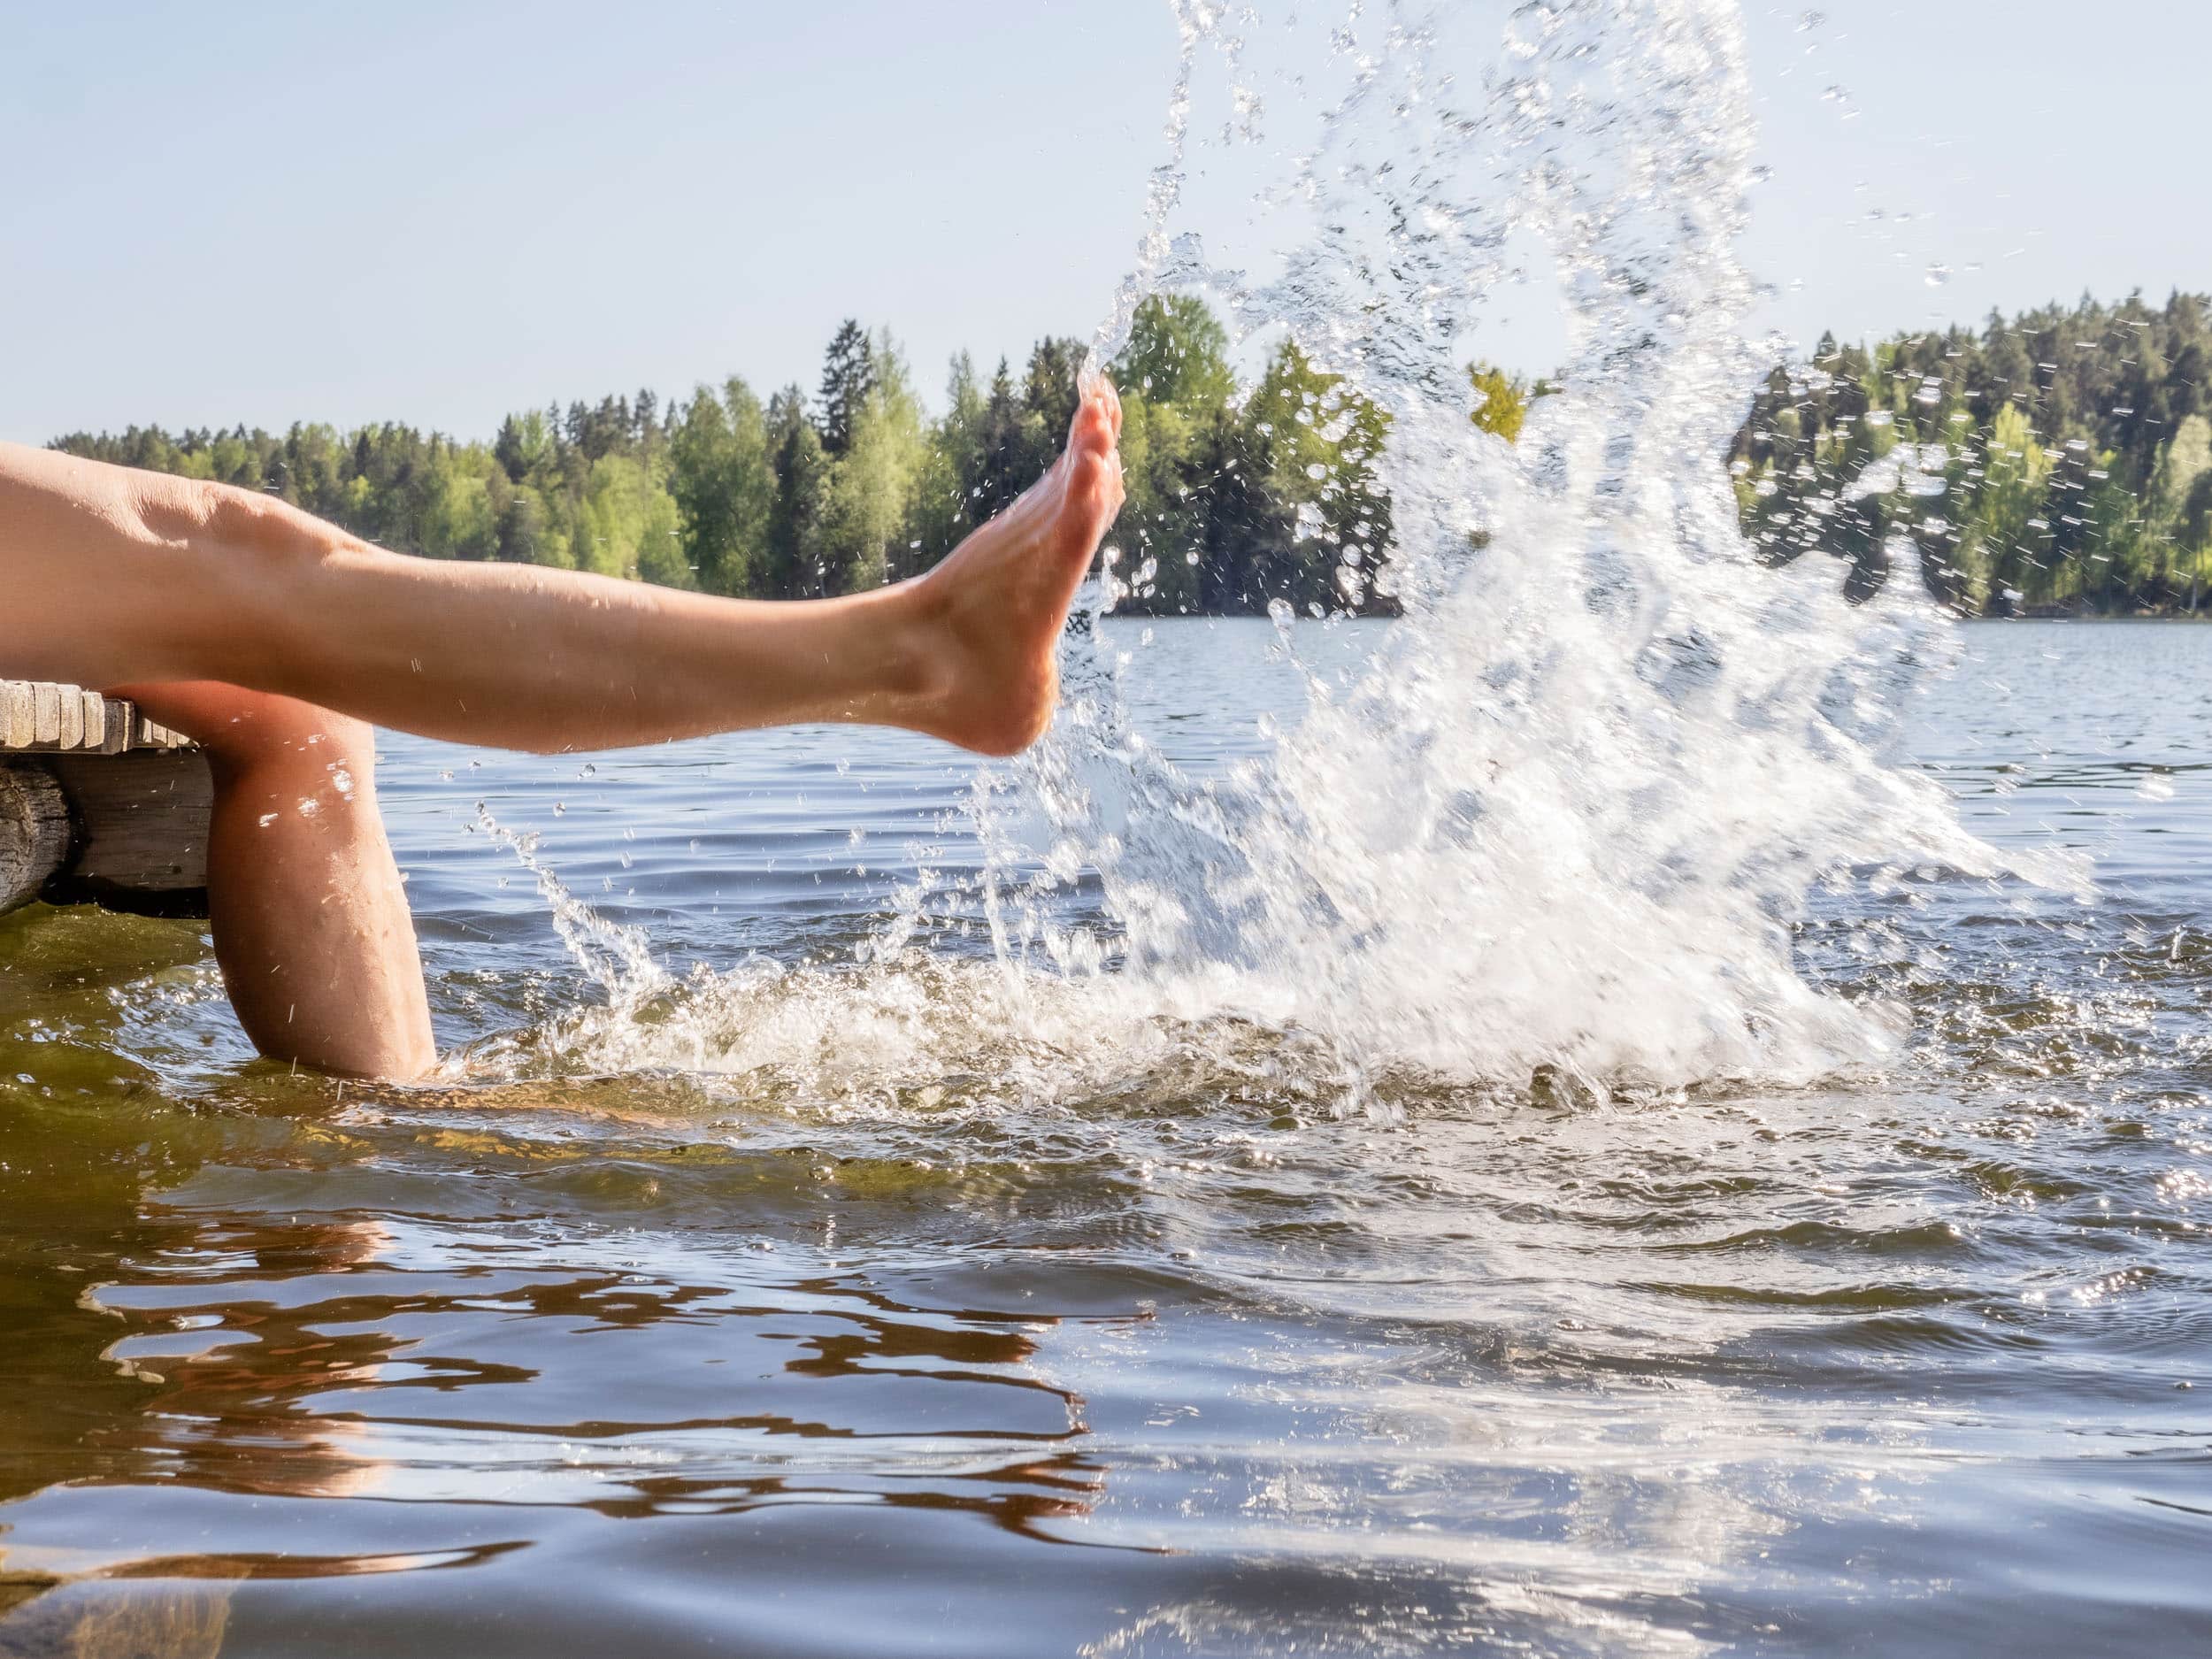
(441, 212)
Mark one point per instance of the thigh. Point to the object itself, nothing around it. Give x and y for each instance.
(100, 575)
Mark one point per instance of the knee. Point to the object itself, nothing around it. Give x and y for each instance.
(249, 559)
(292, 756)
(256, 731)
(302, 744)
(238, 522)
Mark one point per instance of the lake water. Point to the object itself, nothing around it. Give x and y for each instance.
(827, 1299)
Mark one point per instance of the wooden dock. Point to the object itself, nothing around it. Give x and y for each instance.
(38, 718)
(99, 804)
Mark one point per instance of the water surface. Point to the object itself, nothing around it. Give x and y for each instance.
(819, 1305)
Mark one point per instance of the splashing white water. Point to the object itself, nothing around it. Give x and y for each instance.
(1607, 754)
(616, 959)
(1565, 821)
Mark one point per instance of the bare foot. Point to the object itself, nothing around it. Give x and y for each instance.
(993, 610)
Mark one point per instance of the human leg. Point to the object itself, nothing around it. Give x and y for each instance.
(310, 922)
(123, 578)
(245, 623)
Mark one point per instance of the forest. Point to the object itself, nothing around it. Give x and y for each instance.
(1233, 501)
(2056, 462)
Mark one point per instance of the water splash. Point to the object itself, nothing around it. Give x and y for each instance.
(1562, 827)
(618, 960)
(1607, 754)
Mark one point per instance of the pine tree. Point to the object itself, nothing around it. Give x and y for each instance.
(794, 567)
(848, 377)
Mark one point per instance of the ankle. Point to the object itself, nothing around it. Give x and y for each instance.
(911, 623)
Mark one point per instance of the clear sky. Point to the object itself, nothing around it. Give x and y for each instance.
(438, 212)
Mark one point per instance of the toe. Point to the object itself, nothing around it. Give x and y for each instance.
(1096, 424)
(1093, 470)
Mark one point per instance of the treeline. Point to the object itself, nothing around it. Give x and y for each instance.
(2056, 462)
(1233, 502)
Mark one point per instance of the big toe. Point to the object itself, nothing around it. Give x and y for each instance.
(1098, 423)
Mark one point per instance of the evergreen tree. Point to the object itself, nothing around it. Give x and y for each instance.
(795, 567)
(867, 500)
(848, 377)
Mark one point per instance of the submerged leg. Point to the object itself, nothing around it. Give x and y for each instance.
(310, 920)
(120, 578)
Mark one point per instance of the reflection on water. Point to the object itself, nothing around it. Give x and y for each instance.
(1104, 1336)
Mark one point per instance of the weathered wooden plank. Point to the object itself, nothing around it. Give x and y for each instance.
(35, 834)
(141, 822)
(115, 808)
(46, 715)
(40, 717)
(15, 713)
